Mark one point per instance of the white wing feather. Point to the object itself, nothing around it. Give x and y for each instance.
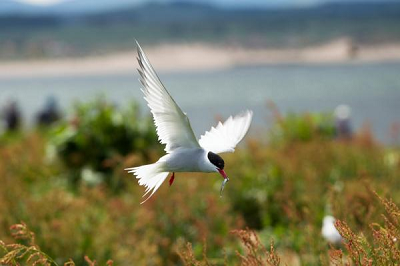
(173, 126)
(225, 136)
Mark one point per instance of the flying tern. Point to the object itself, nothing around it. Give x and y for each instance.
(184, 152)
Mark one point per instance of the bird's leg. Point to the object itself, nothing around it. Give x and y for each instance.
(171, 180)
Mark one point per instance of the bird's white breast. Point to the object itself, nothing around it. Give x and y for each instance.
(188, 160)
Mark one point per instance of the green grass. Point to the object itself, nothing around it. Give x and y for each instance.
(281, 189)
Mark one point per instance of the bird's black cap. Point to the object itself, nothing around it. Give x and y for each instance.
(216, 160)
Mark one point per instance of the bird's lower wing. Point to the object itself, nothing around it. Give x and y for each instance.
(225, 136)
(173, 126)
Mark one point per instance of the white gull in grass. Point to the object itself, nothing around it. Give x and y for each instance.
(329, 231)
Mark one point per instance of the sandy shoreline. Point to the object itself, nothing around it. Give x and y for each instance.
(197, 57)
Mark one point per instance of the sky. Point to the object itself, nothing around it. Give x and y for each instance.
(40, 2)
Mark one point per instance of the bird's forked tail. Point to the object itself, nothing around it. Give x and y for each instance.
(150, 176)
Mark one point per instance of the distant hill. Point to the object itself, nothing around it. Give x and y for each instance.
(184, 11)
(38, 35)
(8, 7)
(83, 7)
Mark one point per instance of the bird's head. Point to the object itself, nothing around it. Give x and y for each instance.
(218, 162)
(328, 220)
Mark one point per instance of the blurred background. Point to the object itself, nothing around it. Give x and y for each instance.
(321, 76)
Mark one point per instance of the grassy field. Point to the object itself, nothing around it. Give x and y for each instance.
(64, 195)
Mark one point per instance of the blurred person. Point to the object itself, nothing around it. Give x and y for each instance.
(11, 116)
(343, 126)
(49, 114)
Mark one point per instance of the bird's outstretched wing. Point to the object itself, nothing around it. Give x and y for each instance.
(173, 126)
(225, 136)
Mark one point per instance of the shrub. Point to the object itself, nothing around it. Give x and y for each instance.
(98, 137)
(302, 127)
(380, 249)
(29, 252)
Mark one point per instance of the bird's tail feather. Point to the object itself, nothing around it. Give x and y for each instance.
(151, 176)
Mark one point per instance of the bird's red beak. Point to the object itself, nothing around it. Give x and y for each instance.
(222, 172)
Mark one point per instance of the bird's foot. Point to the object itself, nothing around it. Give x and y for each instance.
(171, 180)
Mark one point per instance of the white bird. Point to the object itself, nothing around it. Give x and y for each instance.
(184, 152)
(329, 231)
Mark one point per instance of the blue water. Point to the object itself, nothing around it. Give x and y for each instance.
(371, 90)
